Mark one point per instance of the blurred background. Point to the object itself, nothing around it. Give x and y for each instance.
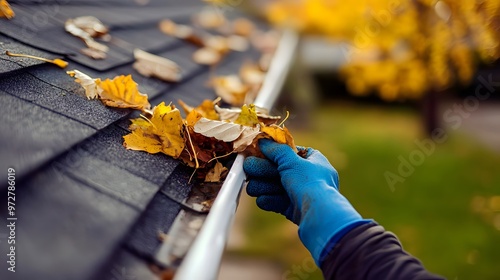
(403, 98)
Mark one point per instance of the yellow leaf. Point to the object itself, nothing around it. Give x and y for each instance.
(193, 117)
(162, 133)
(92, 90)
(206, 109)
(5, 10)
(122, 92)
(280, 135)
(248, 116)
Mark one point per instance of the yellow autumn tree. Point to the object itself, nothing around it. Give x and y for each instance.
(400, 49)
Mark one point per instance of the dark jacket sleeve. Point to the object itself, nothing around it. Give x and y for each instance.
(370, 252)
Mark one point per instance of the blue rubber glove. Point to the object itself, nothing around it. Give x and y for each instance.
(305, 191)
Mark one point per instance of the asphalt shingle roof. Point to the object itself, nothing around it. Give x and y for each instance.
(88, 208)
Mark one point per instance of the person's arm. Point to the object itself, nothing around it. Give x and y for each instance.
(342, 243)
(370, 252)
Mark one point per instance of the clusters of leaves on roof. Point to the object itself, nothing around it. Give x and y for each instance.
(208, 133)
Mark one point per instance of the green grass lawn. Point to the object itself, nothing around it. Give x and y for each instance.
(447, 213)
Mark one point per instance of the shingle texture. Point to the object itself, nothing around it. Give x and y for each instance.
(87, 208)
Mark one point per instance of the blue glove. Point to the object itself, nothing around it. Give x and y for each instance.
(305, 191)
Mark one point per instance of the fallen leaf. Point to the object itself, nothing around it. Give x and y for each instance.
(206, 109)
(192, 118)
(87, 28)
(92, 90)
(280, 134)
(209, 19)
(5, 10)
(217, 43)
(162, 133)
(91, 25)
(207, 56)
(230, 89)
(231, 114)
(151, 65)
(93, 53)
(216, 173)
(224, 131)
(122, 92)
(248, 116)
(243, 27)
(246, 138)
(251, 74)
(237, 43)
(59, 62)
(180, 31)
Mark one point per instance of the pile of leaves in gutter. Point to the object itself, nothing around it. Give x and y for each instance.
(207, 133)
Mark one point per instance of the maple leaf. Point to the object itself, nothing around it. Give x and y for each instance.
(92, 90)
(230, 89)
(164, 132)
(206, 108)
(151, 65)
(5, 10)
(122, 92)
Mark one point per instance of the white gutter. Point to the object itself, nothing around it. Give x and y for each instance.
(203, 258)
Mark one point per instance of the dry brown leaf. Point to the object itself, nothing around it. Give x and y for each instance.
(243, 27)
(93, 53)
(231, 89)
(237, 43)
(180, 31)
(122, 92)
(246, 138)
(5, 10)
(59, 62)
(251, 74)
(217, 43)
(216, 173)
(151, 65)
(209, 18)
(164, 132)
(87, 28)
(224, 131)
(92, 90)
(207, 56)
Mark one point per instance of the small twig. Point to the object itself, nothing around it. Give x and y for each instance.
(283, 121)
(59, 62)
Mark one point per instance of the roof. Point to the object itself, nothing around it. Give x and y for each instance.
(86, 207)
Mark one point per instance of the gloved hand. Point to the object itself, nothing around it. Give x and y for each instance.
(305, 191)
